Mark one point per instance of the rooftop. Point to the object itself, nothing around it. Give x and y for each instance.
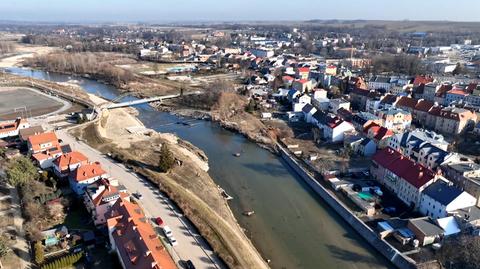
(442, 192)
(415, 174)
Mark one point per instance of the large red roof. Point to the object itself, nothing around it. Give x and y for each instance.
(136, 240)
(414, 173)
(88, 171)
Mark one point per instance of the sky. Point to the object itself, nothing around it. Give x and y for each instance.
(235, 10)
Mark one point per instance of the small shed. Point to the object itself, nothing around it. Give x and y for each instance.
(425, 230)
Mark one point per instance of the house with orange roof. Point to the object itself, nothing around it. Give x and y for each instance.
(100, 196)
(12, 128)
(457, 94)
(68, 162)
(134, 240)
(85, 175)
(44, 148)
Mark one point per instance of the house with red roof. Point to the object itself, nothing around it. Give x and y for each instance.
(303, 72)
(44, 148)
(134, 240)
(287, 81)
(420, 112)
(12, 128)
(85, 175)
(333, 128)
(419, 80)
(401, 175)
(379, 134)
(406, 103)
(453, 120)
(100, 196)
(302, 85)
(68, 162)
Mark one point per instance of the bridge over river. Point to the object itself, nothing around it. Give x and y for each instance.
(148, 100)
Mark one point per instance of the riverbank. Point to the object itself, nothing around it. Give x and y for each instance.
(120, 133)
(388, 251)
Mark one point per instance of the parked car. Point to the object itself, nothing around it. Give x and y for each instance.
(189, 265)
(159, 221)
(137, 195)
(167, 231)
(389, 210)
(172, 241)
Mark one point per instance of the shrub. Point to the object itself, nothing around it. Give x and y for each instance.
(39, 253)
(167, 160)
(21, 170)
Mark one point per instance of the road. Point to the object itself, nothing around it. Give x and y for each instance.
(191, 246)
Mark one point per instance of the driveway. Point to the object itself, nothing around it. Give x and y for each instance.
(191, 246)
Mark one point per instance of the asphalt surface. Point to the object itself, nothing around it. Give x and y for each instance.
(191, 246)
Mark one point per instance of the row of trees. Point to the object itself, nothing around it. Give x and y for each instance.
(83, 63)
(64, 262)
(7, 47)
(399, 64)
(79, 45)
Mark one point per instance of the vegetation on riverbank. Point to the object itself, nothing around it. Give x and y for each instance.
(97, 65)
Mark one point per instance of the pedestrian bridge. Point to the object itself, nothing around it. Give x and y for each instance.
(147, 100)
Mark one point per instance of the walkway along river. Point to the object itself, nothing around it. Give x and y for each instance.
(292, 226)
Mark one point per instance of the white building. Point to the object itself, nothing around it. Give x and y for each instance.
(12, 128)
(262, 52)
(441, 199)
(336, 104)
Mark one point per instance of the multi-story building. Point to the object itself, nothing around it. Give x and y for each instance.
(395, 119)
(453, 121)
(455, 95)
(420, 112)
(68, 162)
(429, 91)
(133, 238)
(44, 148)
(379, 83)
(442, 199)
(100, 196)
(336, 104)
(407, 141)
(401, 175)
(85, 175)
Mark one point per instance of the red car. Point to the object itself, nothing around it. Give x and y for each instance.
(159, 221)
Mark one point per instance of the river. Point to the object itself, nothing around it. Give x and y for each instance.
(292, 226)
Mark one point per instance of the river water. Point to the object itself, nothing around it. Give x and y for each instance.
(292, 226)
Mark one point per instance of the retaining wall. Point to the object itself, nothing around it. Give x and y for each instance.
(382, 246)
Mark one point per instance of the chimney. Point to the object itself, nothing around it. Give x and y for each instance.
(148, 252)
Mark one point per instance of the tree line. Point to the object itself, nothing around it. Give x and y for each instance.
(92, 64)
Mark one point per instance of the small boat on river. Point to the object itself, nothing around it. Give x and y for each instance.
(248, 213)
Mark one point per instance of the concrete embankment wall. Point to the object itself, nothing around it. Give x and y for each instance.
(382, 246)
